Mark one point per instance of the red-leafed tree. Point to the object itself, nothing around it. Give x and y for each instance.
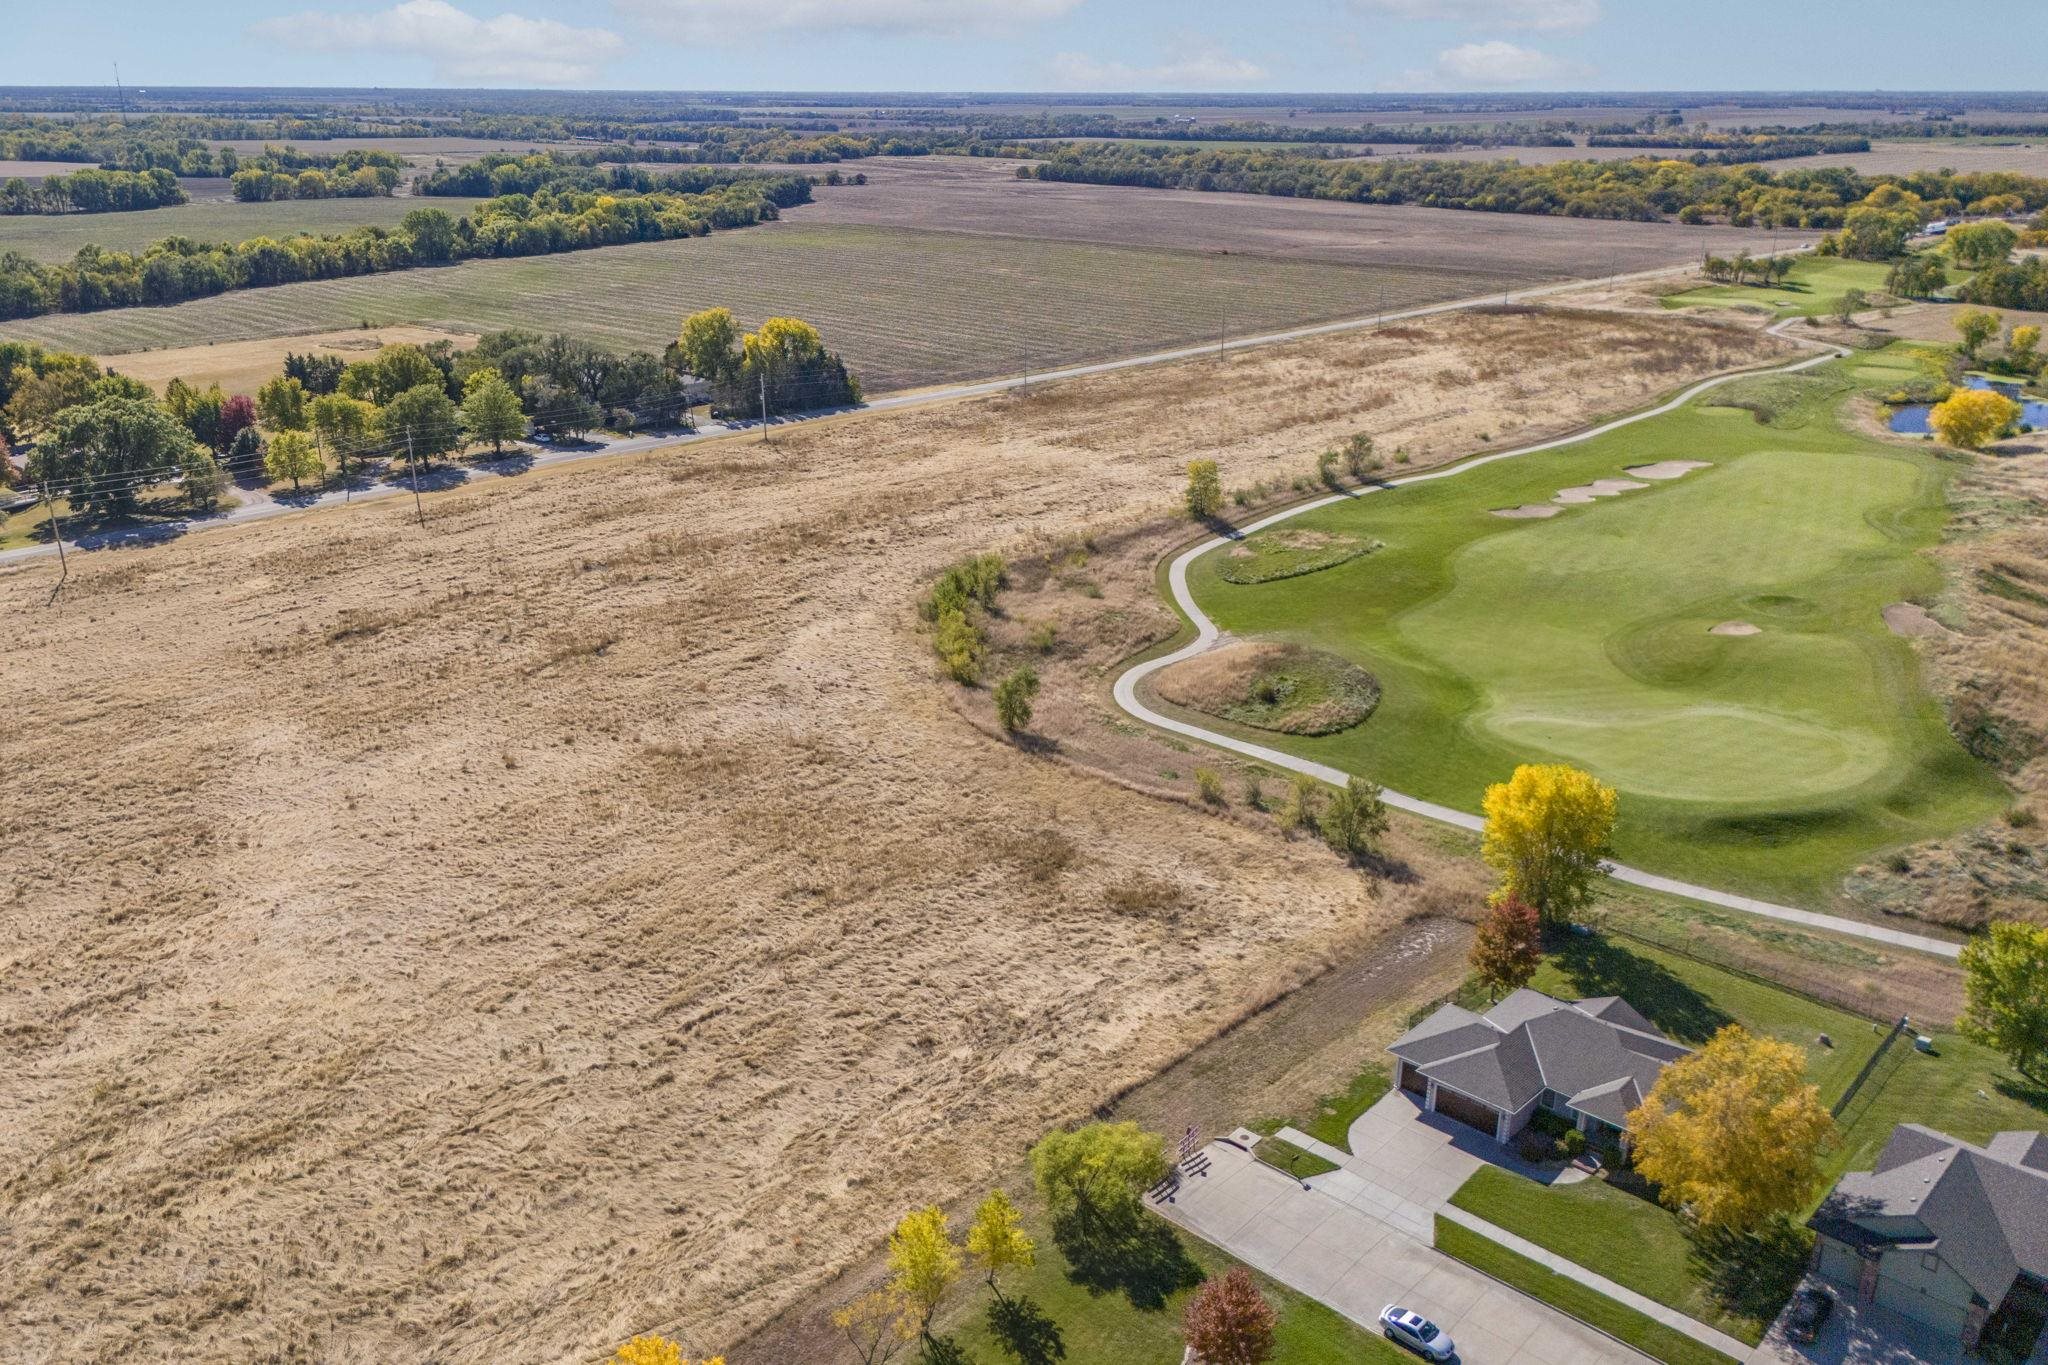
(1509, 946)
(236, 413)
(1229, 1321)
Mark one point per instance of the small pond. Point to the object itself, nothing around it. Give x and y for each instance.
(1911, 419)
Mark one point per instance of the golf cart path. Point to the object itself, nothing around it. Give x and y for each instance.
(395, 485)
(1207, 636)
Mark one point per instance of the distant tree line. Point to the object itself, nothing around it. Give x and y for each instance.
(288, 173)
(179, 268)
(1734, 149)
(502, 173)
(178, 143)
(1642, 189)
(91, 191)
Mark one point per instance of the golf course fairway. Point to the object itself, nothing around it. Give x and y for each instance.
(1770, 757)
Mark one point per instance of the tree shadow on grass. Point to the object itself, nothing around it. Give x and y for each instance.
(1130, 1254)
(942, 1351)
(1023, 1330)
(2028, 1092)
(1597, 966)
(1752, 1273)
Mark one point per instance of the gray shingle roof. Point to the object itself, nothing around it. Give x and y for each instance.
(1600, 1048)
(1984, 1210)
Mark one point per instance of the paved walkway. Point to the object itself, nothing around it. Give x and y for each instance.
(1207, 635)
(1357, 1263)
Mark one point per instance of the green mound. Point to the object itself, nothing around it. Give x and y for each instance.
(1289, 689)
(1289, 552)
(1776, 400)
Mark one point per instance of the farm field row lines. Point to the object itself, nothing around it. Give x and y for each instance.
(907, 307)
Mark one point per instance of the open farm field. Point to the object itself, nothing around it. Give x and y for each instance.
(39, 170)
(908, 308)
(2027, 157)
(1690, 608)
(57, 237)
(588, 912)
(980, 195)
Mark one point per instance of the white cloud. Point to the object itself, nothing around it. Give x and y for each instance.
(1187, 67)
(725, 21)
(1490, 65)
(1541, 15)
(506, 49)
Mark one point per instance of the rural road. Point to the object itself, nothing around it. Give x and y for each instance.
(261, 509)
(1207, 635)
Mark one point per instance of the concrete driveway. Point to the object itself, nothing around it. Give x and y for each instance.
(1865, 1334)
(1358, 1257)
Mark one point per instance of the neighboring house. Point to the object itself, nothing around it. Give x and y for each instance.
(1590, 1061)
(1941, 1231)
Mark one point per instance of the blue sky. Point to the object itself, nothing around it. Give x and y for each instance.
(1220, 45)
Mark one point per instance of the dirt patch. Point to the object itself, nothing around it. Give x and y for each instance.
(243, 366)
(1911, 620)
(367, 979)
(1599, 488)
(1529, 511)
(1735, 628)
(1282, 687)
(1269, 556)
(1666, 469)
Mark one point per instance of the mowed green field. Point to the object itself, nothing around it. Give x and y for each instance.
(57, 237)
(1813, 289)
(1771, 762)
(908, 308)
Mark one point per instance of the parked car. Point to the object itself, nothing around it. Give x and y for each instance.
(1417, 1333)
(1808, 1314)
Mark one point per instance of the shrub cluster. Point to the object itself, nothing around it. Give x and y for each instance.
(954, 609)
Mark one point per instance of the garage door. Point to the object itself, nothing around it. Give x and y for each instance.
(1453, 1105)
(1412, 1080)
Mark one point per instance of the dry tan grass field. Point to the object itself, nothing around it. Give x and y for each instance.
(244, 366)
(587, 912)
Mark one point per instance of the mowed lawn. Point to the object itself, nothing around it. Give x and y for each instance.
(1958, 1087)
(1772, 762)
(908, 308)
(1814, 287)
(58, 237)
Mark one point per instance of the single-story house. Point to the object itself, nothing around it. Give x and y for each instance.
(1590, 1061)
(1940, 1231)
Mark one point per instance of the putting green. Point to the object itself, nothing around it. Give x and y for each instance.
(1772, 760)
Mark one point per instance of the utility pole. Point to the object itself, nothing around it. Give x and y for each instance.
(57, 526)
(414, 466)
(764, 404)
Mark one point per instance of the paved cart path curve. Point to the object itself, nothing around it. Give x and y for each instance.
(1207, 636)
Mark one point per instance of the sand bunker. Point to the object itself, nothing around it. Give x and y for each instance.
(1912, 621)
(1599, 488)
(1529, 509)
(1735, 628)
(1666, 469)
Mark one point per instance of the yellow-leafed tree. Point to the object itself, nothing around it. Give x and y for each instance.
(1971, 417)
(656, 1350)
(1547, 829)
(996, 1238)
(924, 1263)
(876, 1325)
(1734, 1133)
